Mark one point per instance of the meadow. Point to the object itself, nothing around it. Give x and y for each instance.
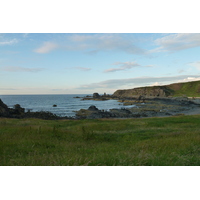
(167, 141)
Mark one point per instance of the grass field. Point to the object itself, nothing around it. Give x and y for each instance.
(170, 141)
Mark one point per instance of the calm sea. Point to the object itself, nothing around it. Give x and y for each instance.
(66, 104)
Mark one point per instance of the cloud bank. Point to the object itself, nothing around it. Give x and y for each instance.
(177, 42)
(105, 42)
(139, 82)
(93, 43)
(124, 66)
(46, 47)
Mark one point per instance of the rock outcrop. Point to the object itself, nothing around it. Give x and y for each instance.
(4, 110)
(96, 95)
(19, 112)
(92, 113)
(147, 92)
(93, 108)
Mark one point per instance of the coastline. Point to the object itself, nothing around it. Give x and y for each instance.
(152, 107)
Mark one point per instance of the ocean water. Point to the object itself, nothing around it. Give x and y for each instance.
(66, 104)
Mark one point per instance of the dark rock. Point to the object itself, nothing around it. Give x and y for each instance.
(42, 115)
(93, 108)
(96, 95)
(19, 112)
(76, 97)
(4, 110)
(121, 113)
(100, 114)
(93, 113)
(18, 109)
(54, 105)
(16, 112)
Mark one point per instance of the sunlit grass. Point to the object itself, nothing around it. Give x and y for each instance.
(150, 141)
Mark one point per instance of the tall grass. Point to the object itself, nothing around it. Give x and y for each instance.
(167, 141)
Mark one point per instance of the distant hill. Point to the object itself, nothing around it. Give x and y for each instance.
(189, 89)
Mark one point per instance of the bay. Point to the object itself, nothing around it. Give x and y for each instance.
(66, 104)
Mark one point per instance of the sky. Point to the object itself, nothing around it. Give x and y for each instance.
(84, 63)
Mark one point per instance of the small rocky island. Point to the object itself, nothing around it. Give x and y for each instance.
(97, 97)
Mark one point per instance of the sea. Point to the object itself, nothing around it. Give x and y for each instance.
(66, 103)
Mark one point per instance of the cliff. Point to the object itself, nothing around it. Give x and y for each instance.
(190, 89)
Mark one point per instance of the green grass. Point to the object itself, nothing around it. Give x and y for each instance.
(170, 141)
(190, 89)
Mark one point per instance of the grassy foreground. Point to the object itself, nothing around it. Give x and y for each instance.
(151, 141)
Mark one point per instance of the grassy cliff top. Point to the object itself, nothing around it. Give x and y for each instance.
(190, 89)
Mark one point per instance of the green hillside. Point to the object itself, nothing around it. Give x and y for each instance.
(190, 89)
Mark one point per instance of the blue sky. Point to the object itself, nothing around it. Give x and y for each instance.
(76, 63)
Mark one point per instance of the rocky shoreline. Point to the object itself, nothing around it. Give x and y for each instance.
(153, 107)
(18, 112)
(136, 108)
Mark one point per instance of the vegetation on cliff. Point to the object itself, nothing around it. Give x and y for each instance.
(190, 89)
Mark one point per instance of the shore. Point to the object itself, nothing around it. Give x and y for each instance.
(154, 107)
(157, 107)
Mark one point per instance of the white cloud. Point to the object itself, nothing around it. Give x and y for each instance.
(156, 84)
(104, 42)
(8, 42)
(113, 70)
(188, 79)
(124, 66)
(93, 43)
(176, 42)
(20, 69)
(139, 82)
(47, 47)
